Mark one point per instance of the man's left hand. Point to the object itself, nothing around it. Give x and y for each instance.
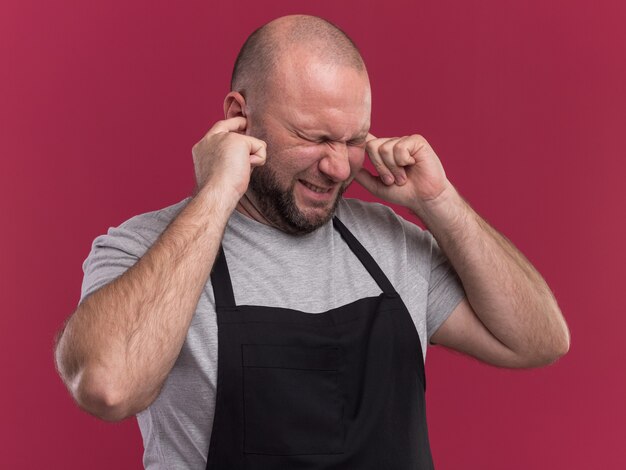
(409, 171)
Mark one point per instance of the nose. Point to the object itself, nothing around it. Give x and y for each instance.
(335, 164)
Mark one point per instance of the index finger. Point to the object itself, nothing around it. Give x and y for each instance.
(370, 137)
(234, 124)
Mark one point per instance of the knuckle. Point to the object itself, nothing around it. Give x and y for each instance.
(401, 153)
(385, 146)
(216, 127)
(259, 142)
(385, 150)
(388, 146)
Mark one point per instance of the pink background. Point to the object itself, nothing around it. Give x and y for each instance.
(524, 102)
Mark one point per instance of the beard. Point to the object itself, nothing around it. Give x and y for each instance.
(279, 205)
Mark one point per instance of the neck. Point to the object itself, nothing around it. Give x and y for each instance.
(249, 208)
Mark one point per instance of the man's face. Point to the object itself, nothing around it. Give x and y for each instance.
(315, 121)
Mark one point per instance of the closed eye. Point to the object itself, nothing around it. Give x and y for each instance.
(313, 140)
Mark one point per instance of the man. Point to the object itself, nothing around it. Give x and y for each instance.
(267, 322)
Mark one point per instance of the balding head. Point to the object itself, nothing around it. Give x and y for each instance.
(307, 38)
(301, 85)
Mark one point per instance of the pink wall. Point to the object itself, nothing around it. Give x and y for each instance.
(524, 102)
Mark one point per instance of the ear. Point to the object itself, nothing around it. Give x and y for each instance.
(234, 105)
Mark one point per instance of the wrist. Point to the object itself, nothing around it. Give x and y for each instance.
(217, 200)
(446, 211)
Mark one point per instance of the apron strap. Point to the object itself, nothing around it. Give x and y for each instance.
(220, 279)
(364, 257)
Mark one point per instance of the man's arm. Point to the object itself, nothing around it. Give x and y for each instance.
(510, 317)
(118, 347)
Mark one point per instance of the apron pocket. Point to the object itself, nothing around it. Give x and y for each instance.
(292, 403)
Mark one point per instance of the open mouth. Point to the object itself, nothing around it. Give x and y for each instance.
(314, 188)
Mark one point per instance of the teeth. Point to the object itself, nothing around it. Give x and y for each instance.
(314, 188)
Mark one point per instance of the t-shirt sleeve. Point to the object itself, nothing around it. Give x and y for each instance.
(121, 247)
(110, 256)
(445, 290)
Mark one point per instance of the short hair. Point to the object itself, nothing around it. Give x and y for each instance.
(262, 50)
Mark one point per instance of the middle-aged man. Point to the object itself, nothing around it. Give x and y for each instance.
(268, 323)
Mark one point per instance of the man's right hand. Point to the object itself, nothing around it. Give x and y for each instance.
(117, 349)
(225, 156)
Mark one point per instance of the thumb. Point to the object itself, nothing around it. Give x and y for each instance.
(258, 151)
(368, 181)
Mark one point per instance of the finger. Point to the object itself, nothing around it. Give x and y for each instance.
(258, 151)
(369, 181)
(386, 151)
(234, 124)
(257, 146)
(369, 137)
(256, 161)
(372, 149)
(402, 152)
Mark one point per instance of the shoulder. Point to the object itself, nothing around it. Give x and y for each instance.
(117, 250)
(359, 210)
(151, 224)
(378, 220)
(387, 235)
(139, 232)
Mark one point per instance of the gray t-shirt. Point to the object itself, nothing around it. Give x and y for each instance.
(311, 273)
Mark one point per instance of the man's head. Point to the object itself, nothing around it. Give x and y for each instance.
(303, 88)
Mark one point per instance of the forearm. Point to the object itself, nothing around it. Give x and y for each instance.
(120, 344)
(505, 291)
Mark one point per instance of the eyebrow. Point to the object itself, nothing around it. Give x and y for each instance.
(321, 136)
(359, 137)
